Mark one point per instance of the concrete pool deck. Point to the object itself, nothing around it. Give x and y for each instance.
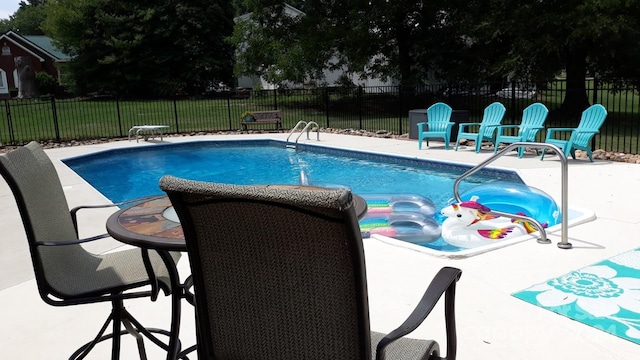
(491, 323)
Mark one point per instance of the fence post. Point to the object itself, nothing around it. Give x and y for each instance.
(595, 101)
(513, 101)
(175, 114)
(326, 103)
(55, 118)
(119, 116)
(360, 90)
(12, 138)
(595, 90)
(229, 111)
(401, 107)
(275, 98)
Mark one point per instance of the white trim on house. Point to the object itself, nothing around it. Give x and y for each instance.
(288, 9)
(16, 80)
(5, 37)
(4, 85)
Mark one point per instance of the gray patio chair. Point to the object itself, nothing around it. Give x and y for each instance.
(279, 273)
(67, 274)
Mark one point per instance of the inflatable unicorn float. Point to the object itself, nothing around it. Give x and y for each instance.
(470, 224)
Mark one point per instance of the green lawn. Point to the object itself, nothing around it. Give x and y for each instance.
(80, 119)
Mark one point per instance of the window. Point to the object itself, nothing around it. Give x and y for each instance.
(63, 76)
(4, 86)
(6, 50)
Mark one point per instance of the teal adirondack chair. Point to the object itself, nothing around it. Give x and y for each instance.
(591, 121)
(438, 125)
(533, 118)
(491, 119)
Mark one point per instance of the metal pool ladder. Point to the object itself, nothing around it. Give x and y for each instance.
(307, 128)
(564, 241)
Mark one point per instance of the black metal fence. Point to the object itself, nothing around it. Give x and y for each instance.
(367, 108)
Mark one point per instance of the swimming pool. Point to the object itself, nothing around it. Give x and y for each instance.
(123, 174)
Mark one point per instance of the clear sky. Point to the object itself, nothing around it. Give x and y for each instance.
(8, 7)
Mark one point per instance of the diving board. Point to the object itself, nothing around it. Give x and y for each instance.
(149, 130)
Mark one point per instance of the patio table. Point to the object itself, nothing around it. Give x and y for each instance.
(144, 225)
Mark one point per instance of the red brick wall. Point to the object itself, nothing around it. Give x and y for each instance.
(8, 65)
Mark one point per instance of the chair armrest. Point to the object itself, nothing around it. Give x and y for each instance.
(462, 126)
(100, 206)
(502, 127)
(560, 129)
(444, 281)
(552, 131)
(73, 242)
(74, 211)
(528, 129)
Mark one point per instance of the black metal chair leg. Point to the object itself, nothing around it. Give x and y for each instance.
(118, 307)
(119, 315)
(139, 339)
(184, 354)
(82, 352)
(176, 300)
(148, 332)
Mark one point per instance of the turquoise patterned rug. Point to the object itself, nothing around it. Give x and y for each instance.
(605, 295)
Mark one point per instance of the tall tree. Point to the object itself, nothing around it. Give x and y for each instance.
(536, 40)
(402, 39)
(273, 41)
(144, 48)
(412, 41)
(26, 20)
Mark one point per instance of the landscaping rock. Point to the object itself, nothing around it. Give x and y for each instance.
(598, 154)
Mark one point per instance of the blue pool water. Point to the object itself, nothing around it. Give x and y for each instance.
(124, 174)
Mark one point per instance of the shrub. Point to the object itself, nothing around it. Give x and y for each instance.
(46, 83)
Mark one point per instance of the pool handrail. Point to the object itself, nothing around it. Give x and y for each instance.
(564, 240)
(307, 128)
(301, 122)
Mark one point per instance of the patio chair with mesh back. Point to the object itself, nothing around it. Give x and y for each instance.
(279, 273)
(67, 274)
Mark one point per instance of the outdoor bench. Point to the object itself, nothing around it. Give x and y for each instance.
(263, 117)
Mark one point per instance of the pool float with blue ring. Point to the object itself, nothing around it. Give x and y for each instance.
(390, 203)
(407, 226)
(516, 198)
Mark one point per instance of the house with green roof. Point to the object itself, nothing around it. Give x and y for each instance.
(45, 57)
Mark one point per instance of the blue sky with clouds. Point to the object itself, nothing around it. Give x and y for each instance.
(8, 7)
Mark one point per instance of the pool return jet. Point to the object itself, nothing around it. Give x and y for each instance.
(564, 242)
